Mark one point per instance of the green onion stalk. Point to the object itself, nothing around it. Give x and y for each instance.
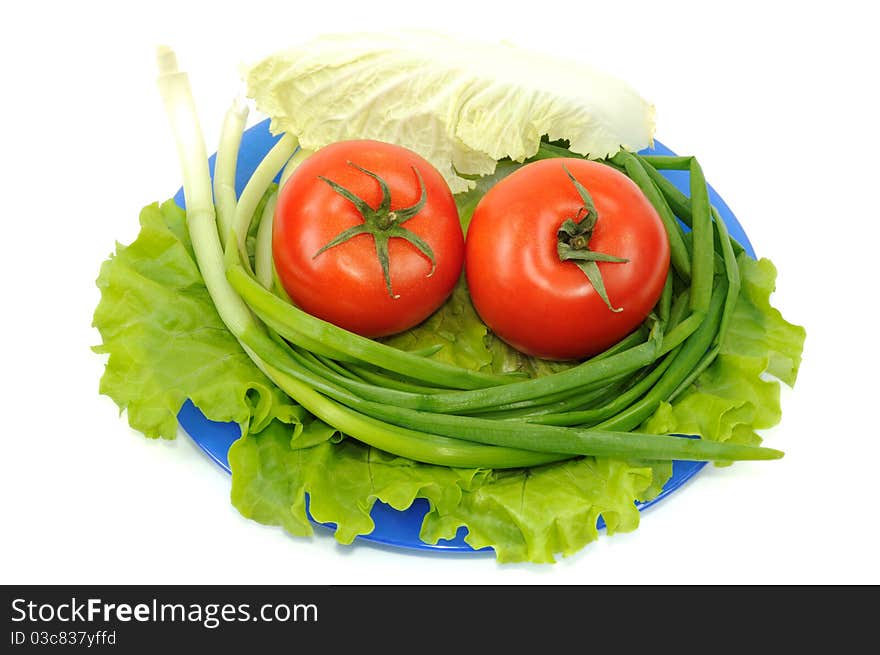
(263, 266)
(256, 188)
(225, 165)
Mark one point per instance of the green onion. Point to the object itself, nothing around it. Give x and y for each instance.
(505, 434)
(373, 376)
(684, 362)
(256, 188)
(667, 162)
(703, 265)
(731, 269)
(414, 444)
(678, 202)
(678, 249)
(200, 217)
(225, 165)
(293, 163)
(267, 306)
(292, 322)
(621, 402)
(263, 264)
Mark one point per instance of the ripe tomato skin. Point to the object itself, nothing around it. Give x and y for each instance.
(345, 285)
(546, 307)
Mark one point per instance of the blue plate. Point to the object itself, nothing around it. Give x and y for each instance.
(395, 528)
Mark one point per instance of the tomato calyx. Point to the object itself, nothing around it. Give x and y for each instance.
(382, 223)
(573, 242)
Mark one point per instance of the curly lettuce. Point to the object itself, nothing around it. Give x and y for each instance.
(166, 342)
(735, 396)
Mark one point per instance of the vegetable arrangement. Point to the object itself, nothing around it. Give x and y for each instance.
(620, 313)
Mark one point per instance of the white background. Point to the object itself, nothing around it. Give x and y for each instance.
(777, 100)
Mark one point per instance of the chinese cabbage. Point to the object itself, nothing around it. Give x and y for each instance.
(462, 105)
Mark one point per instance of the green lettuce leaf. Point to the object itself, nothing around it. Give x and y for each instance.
(166, 342)
(535, 514)
(734, 397)
(457, 328)
(524, 515)
(758, 329)
(344, 480)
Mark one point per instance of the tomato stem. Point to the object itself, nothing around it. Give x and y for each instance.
(382, 223)
(573, 241)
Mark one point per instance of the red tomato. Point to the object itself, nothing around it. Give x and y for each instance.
(345, 283)
(547, 307)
